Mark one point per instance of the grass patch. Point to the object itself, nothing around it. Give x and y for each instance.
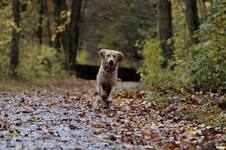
(14, 85)
(65, 83)
(24, 85)
(18, 86)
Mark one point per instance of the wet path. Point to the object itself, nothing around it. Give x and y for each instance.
(70, 120)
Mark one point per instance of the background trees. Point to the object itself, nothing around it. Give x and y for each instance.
(14, 53)
(74, 32)
(192, 18)
(197, 56)
(164, 25)
(40, 20)
(154, 35)
(118, 25)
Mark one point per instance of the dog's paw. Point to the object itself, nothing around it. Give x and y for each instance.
(106, 105)
(110, 99)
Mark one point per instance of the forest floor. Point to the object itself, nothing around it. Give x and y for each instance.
(67, 115)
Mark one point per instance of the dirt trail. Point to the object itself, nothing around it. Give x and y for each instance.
(71, 119)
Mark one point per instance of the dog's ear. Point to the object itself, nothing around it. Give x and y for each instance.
(102, 52)
(120, 56)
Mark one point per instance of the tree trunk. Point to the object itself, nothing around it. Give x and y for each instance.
(14, 53)
(164, 27)
(65, 35)
(63, 38)
(40, 19)
(74, 31)
(57, 10)
(192, 19)
(48, 23)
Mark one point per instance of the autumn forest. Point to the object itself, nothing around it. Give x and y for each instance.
(171, 79)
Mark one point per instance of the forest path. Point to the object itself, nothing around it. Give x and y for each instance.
(72, 119)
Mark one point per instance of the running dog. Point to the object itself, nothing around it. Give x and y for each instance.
(107, 76)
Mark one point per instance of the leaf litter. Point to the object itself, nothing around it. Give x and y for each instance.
(73, 118)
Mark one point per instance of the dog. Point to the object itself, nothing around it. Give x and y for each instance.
(107, 76)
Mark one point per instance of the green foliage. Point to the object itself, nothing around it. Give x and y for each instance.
(6, 25)
(4, 63)
(152, 61)
(82, 57)
(207, 58)
(117, 25)
(39, 62)
(35, 61)
(151, 72)
(200, 66)
(181, 33)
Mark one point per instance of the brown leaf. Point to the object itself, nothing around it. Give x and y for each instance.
(97, 125)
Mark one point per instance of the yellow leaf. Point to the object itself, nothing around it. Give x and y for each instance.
(138, 122)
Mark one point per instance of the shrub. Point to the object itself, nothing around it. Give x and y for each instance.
(6, 25)
(207, 60)
(39, 62)
(82, 57)
(151, 71)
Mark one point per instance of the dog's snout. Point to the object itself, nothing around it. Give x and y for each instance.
(111, 62)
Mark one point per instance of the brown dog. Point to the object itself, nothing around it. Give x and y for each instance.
(108, 74)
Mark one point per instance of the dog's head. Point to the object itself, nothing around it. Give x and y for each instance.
(111, 57)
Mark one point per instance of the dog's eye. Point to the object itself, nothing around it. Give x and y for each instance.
(114, 56)
(108, 55)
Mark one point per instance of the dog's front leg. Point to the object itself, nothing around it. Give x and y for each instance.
(110, 99)
(104, 96)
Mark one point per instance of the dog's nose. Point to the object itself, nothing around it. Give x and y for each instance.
(111, 62)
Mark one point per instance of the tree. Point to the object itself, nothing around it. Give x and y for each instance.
(65, 34)
(68, 35)
(74, 31)
(164, 28)
(57, 11)
(43, 12)
(120, 25)
(192, 19)
(40, 19)
(48, 22)
(14, 52)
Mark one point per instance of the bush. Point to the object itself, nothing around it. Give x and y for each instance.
(207, 60)
(6, 25)
(39, 62)
(151, 72)
(82, 57)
